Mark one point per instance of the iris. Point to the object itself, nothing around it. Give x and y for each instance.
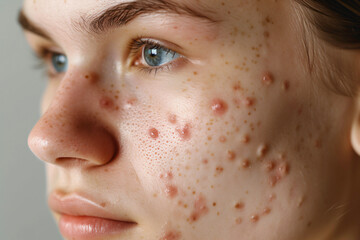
(157, 56)
(59, 62)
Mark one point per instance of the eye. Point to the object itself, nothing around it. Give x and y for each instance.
(59, 62)
(156, 56)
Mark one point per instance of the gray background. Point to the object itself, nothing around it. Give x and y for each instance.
(24, 214)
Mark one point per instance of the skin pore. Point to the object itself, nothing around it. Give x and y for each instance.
(232, 139)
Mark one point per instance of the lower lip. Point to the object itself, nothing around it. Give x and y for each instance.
(84, 227)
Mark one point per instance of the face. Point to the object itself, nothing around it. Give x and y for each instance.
(194, 124)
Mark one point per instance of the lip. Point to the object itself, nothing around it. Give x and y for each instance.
(82, 218)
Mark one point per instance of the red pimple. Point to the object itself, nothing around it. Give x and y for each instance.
(222, 139)
(286, 85)
(254, 218)
(154, 133)
(273, 180)
(231, 155)
(248, 102)
(245, 139)
(267, 79)
(172, 118)
(171, 191)
(262, 150)
(272, 197)
(245, 163)
(219, 169)
(283, 169)
(270, 165)
(200, 209)
(184, 132)
(219, 107)
(205, 161)
(172, 235)
(266, 210)
(106, 103)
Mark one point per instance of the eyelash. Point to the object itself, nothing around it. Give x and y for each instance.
(136, 48)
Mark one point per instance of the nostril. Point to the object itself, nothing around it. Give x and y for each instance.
(71, 162)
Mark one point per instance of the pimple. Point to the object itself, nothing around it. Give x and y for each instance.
(205, 161)
(245, 139)
(219, 107)
(200, 209)
(172, 118)
(254, 218)
(130, 103)
(171, 235)
(248, 102)
(272, 197)
(267, 79)
(262, 150)
(286, 85)
(231, 155)
(266, 210)
(171, 191)
(270, 165)
(103, 204)
(283, 169)
(184, 132)
(106, 103)
(222, 139)
(154, 133)
(245, 163)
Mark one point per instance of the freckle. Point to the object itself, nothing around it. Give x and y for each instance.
(154, 133)
(222, 139)
(318, 143)
(254, 218)
(214, 204)
(184, 132)
(171, 191)
(237, 87)
(285, 86)
(205, 161)
(103, 204)
(172, 118)
(219, 107)
(266, 34)
(219, 169)
(268, 79)
(239, 205)
(245, 163)
(195, 73)
(238, 220)
(231, 155)
(106, 102)
(106, 170)
(262, 150)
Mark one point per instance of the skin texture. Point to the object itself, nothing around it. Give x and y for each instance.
(239, 141)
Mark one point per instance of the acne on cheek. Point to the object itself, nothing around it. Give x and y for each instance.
(171, 235)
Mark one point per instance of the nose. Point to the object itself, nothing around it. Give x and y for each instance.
(73, 131)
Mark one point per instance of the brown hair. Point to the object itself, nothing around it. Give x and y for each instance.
(336, 21)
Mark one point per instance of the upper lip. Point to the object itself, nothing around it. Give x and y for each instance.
(76, 204)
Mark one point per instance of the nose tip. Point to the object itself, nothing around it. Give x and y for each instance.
(89, 143)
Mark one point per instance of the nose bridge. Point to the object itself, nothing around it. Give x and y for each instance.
(71, 129)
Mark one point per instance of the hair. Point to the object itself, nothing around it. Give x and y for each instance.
(337, 23)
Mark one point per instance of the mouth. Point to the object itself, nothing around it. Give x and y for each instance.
(82, 218)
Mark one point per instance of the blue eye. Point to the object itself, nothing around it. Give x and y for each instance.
(156, 56)
(59, 62)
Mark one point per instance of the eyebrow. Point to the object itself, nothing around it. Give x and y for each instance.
(123, 13)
